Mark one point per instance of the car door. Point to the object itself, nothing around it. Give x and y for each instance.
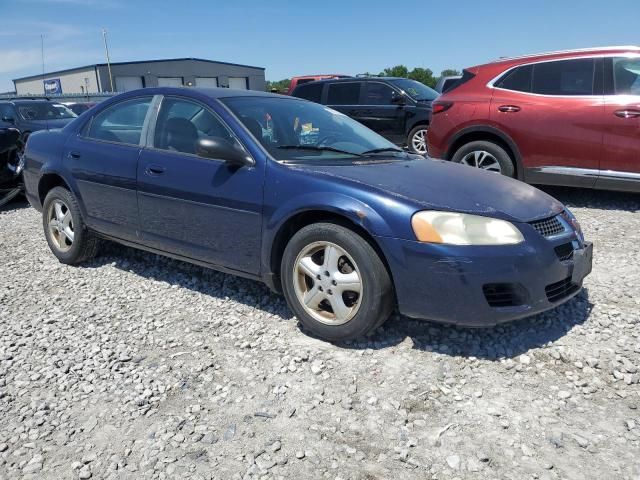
(195, 207)
(380, 114)
(621, 159)
(103, 162)
(553, 111)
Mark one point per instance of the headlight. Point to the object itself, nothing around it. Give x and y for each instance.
(462, 229)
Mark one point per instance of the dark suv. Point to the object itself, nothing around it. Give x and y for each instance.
(399, 109)
(31, 115)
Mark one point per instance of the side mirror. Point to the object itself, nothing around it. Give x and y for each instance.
(398, 98)
(8, 119)
(220, 149)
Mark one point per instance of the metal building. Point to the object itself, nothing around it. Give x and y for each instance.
(127, 76)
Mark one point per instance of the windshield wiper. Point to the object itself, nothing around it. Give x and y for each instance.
(317, 149)
(382, 150)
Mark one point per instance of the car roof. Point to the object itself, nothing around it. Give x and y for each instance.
(560, 54)
(19, 101)
(356, 79)
(209, 92)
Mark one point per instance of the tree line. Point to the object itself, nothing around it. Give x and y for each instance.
(423, 75)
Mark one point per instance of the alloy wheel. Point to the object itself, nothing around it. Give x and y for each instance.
(482, 159)
(419, 142)
(328, 283)
(60, 224)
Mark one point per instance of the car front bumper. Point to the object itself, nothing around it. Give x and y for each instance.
(453, 284)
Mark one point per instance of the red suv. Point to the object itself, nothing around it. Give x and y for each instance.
(563, 118)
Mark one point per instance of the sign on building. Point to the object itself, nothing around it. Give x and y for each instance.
(52, 86)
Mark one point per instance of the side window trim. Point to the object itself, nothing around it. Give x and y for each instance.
(83, 132)
(149, 126)
(492, 84)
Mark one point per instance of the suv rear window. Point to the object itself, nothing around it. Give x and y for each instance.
(466, 76)
(344, 93)
(518, 79)
(311, 91)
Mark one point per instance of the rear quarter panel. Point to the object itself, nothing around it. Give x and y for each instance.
(43, 155)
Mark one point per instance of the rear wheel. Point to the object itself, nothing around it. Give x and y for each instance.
(66, 233)
(485, 155)
(417, 140)
(335, 282)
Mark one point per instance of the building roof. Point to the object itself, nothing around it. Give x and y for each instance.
(95, 65)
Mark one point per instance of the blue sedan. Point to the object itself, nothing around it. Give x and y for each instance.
(342, 222)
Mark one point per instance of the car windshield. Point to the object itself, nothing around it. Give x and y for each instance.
(297, 130)
(416, 90)
(44, 111)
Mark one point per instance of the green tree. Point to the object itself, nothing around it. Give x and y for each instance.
(423, 75)
(397, 71)
(280, 86)
(450, 72)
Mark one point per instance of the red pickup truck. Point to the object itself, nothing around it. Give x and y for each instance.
(295, 81)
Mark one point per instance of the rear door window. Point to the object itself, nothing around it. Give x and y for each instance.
(564, 77)
(344, 93)
(311, 91)
(122, 122)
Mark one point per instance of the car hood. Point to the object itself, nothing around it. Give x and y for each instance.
(441, 185)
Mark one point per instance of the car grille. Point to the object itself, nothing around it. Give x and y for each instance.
(559, 290)
(548, 227)
(504, 294)
(564, 251)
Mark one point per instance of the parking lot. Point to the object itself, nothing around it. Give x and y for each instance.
(136, 366)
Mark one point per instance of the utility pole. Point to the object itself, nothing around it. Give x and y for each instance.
(44, 90)
(106, 51)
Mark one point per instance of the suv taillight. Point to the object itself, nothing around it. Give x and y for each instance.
(439, 107)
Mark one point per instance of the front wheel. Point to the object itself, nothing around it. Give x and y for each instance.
(335, 282)
(417, 140)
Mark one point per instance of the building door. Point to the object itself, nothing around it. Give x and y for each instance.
(238, 83)
(126, 84)
(207, 82)
(170, 81)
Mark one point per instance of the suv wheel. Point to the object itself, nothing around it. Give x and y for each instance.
(64, 229)
(417, 140)
(335, 282)
(487, 156)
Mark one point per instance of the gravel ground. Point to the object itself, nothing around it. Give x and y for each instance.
(137, 367)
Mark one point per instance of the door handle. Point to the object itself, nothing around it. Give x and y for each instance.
(74, 155)
(154, 170)
(627, 113)
(509, 108)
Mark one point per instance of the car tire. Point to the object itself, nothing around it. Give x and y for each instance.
(348, 289)
(485, 155)
(66, 233)
(417, 140)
